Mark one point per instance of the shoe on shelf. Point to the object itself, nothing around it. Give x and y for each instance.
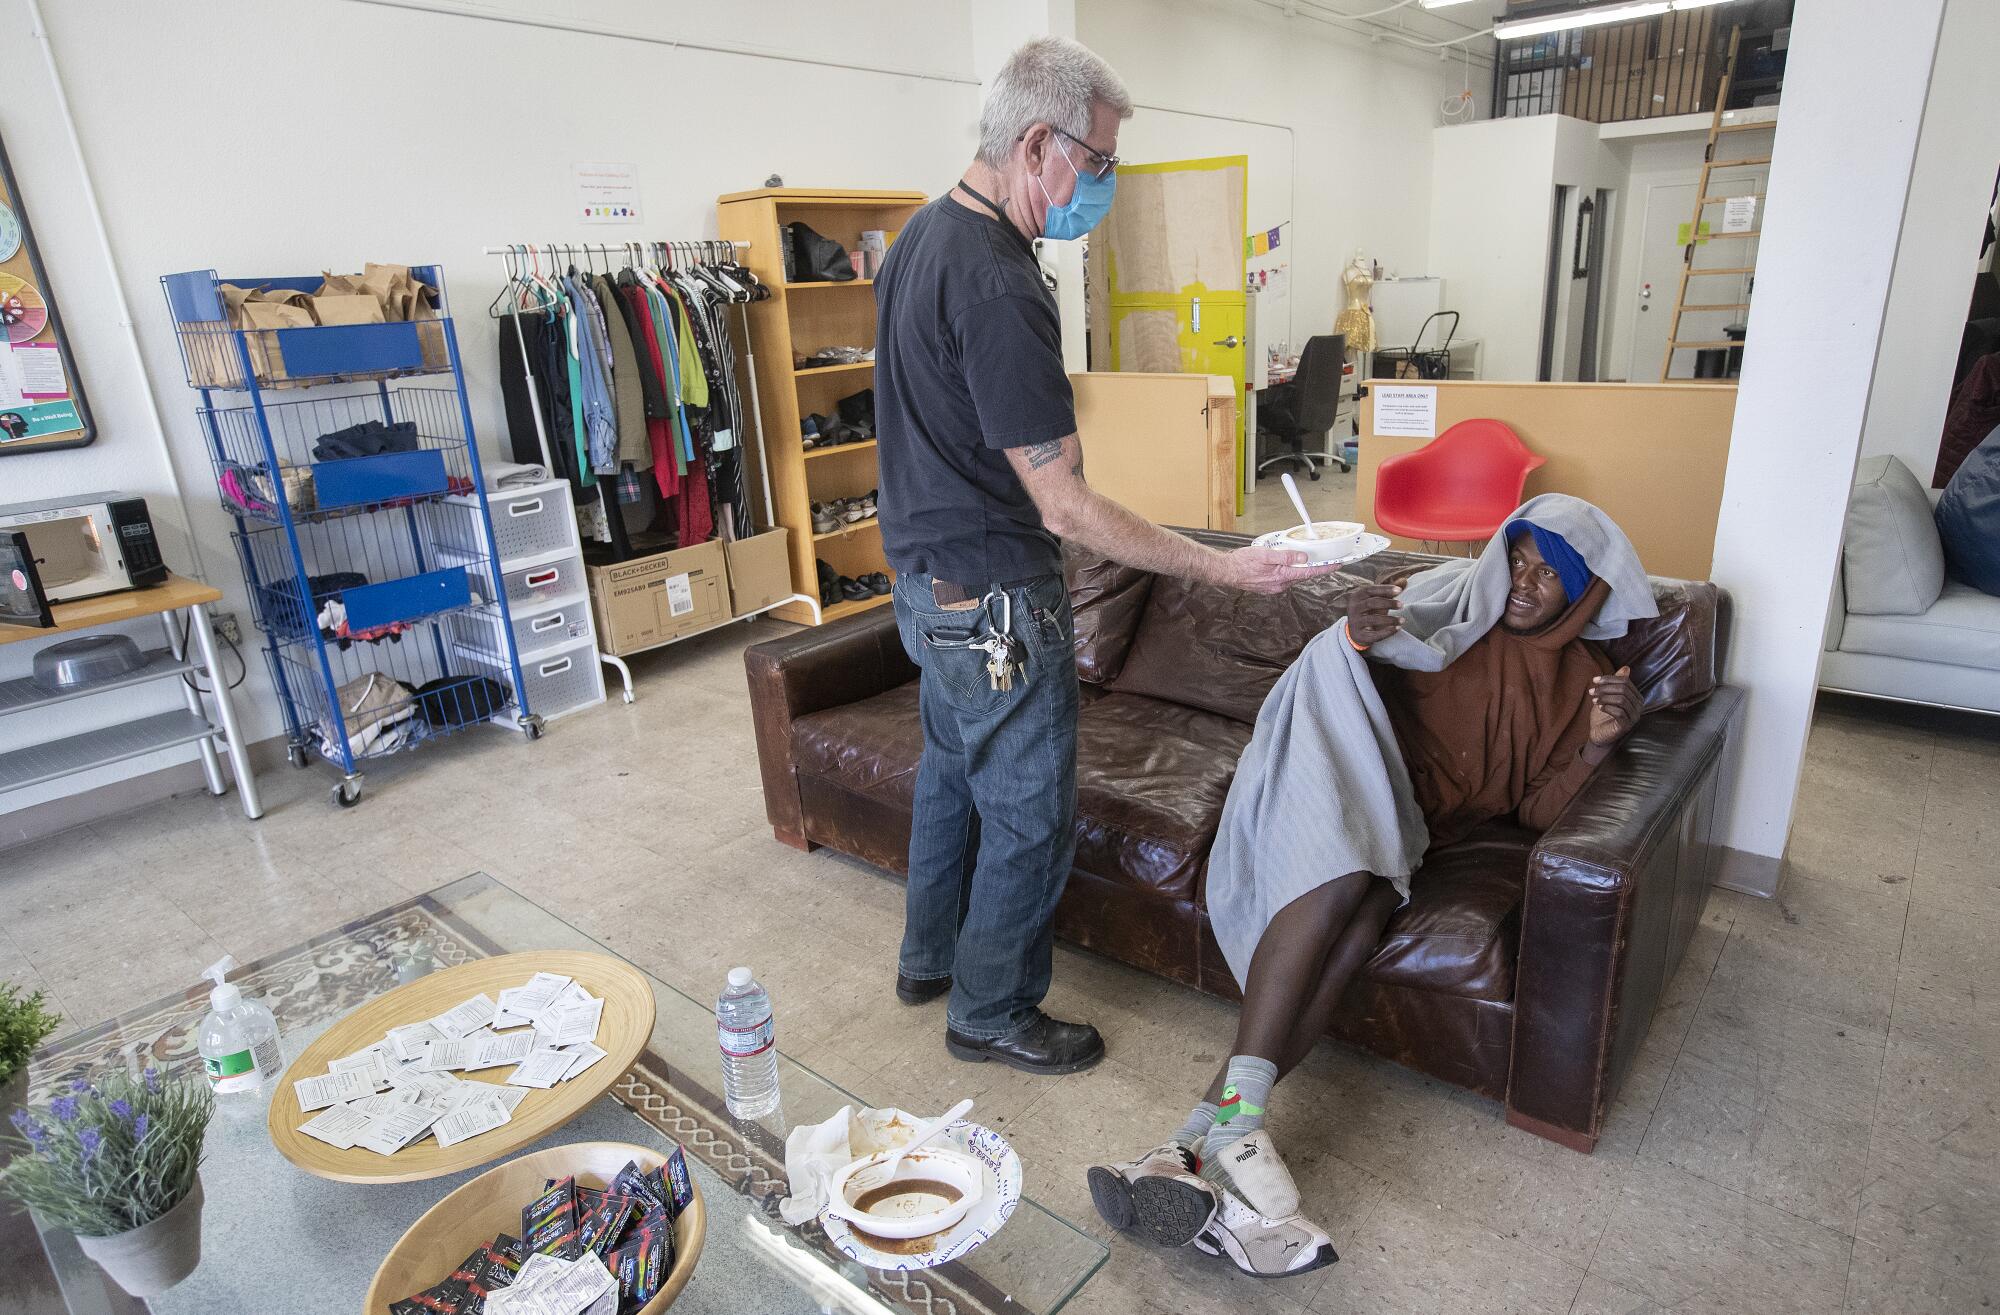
(852, 511)
(920, 990)
(829, 584)
(853, 590)
(1041, 1045)
(825, 519)
(878, 582)
(1159, 1194)
(867, 504)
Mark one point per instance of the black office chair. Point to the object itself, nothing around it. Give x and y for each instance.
(1305, 408)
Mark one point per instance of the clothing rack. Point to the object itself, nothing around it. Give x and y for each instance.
(670, 253)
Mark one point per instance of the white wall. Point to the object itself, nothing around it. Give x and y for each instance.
(1945, 216)
(1337, 128)
(1492, 203)
(1838, 187)
(268, 139)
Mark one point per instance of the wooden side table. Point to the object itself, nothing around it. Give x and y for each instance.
(69, 754)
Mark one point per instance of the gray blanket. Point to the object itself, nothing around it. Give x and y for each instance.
(1322, 790)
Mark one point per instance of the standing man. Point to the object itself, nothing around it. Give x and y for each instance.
(981, 476)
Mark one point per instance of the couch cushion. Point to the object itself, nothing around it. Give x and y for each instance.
(1106, 600)
(1150, 777)
(871, 747)
(1962, 628)
(1150, 780)
(1968, 518)
(1220, 650)
(1461, 930)
(1891, 559)
(1673, 655)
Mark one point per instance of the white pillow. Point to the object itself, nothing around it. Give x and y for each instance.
(1891, 559)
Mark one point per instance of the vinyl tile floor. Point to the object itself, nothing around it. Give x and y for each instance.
(1813, 1126)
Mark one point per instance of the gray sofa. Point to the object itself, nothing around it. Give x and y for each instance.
(1899, 628)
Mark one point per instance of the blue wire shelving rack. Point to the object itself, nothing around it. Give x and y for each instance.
(354, 559)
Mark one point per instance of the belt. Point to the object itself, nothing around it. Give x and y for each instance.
(948, 593)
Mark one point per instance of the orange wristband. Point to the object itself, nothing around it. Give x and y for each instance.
(1358, 647)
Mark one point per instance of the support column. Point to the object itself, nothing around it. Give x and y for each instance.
(998, 29)
(1856, 85)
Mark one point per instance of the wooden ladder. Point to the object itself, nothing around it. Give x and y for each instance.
(1717, 129)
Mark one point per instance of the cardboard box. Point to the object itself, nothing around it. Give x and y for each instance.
(760, 571)
(650, 601)
(1606, 95)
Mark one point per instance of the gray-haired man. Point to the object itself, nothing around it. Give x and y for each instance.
(981, 473)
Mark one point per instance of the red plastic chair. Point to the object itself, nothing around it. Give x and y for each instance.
(1459, 486)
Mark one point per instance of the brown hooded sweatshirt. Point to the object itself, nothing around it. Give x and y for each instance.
(1502, 729)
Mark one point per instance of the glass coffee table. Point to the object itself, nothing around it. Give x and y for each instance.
(277, 1238)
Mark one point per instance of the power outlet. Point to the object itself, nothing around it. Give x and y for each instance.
(224, 624)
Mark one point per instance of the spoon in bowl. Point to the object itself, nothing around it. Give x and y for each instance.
(1292, 492)
(886, 1171)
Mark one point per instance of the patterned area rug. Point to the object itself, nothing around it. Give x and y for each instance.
(325, 978)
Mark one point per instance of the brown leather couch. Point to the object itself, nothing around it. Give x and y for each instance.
(1526, 968)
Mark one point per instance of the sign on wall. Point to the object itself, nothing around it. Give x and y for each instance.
(606, 192)
(41, 399)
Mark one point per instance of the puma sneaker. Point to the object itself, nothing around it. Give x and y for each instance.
(1257, 1224)
(1263, 1247)
(1159, 1194)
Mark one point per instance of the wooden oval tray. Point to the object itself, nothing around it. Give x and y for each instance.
(623, 1031)
(491, 1204)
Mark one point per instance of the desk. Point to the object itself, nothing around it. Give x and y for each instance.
(70, 754)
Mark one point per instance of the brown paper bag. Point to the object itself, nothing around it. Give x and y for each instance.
(260, 318)
(355, 309)
(340, 285)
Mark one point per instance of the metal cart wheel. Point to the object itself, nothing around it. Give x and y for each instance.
(348, 792)
(298, 756)
(531, 726)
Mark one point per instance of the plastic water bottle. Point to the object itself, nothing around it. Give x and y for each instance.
(238, 1039)
(749, 1046)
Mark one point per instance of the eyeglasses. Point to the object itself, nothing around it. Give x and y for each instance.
(1106, 164)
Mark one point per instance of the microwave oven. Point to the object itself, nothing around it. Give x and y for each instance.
(63, 549)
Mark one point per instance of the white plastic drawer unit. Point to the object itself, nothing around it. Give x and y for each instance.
(536, 588)
(557, 681)
(534, 522)
(559, 624)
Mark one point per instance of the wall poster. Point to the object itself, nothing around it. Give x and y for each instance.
(41, 399)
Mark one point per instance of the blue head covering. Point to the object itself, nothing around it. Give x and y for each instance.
(1569, 565)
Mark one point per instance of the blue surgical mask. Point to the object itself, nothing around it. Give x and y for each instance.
(1088, 204)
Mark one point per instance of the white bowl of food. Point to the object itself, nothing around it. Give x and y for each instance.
(1326, 542)
(930, 1191)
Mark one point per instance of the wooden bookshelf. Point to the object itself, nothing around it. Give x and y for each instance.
(798, 320)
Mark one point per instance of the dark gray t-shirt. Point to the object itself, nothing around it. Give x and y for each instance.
(968, 363)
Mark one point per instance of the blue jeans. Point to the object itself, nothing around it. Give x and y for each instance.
(995, 819)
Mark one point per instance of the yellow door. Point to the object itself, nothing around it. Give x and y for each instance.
(1166, 274)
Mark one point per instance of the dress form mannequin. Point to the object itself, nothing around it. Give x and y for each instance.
(1356, 321)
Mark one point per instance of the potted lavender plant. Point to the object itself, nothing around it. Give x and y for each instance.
(115, 1162)
(24, 1024)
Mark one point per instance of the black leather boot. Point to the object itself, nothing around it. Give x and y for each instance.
(920, 990)
(1041, 1045)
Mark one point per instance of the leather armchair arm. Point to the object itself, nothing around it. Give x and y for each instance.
(1615, 889)
(806, 672)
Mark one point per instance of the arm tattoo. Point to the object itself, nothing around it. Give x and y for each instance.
(1042, 454)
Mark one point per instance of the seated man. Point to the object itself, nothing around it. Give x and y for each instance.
(1346, 783)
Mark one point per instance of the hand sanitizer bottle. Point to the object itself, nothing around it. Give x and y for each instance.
(238, 1039)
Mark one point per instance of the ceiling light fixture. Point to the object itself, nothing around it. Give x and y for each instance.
(1534, 27)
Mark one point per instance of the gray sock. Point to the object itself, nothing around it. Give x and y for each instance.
(1199, 1121)
(1246, 1090)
